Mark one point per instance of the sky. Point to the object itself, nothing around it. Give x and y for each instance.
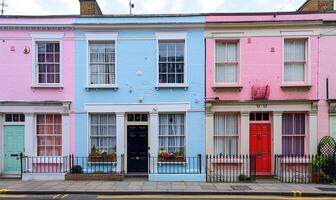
(68, 7)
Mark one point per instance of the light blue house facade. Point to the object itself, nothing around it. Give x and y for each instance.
(139, 93)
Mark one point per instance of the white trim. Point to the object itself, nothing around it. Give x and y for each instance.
(115, 108)
(307, 75)
(227, 34)
(46, 37)
(297, 33)
(101, 36)
(172, 36)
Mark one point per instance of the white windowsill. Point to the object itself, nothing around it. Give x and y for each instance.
(56, 86)
(173, 163)
(185, 86)
(296, 85)
(226, 85)
(113, 87)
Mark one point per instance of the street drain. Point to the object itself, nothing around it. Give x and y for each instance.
(326, 189)
(240, 187)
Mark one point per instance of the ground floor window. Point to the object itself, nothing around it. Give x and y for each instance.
(172, 133)
(103, 132)
(49, 134)
(293, 133)
(226, 134)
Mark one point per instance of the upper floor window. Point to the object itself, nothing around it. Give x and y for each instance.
(171, 62)
(295, 60)
(48, 62)
(226, 62)
(102, 62)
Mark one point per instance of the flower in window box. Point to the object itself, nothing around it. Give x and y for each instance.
(97, 156)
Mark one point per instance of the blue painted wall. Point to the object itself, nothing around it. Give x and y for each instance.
(141, 56)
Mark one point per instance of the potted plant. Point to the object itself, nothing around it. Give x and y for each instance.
(97, 156)
(179, 155)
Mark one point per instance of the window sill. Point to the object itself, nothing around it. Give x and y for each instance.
(296, 86)
(172, 163)
(103, 87)
(163, 86)
(226, 86)
(47, 86)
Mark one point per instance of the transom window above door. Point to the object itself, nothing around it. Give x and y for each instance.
(102, 63)
(259, 116)
(48, 62)
(295, 60)
(226, 62)
(137, 117)
(14, 118)
(171, 62)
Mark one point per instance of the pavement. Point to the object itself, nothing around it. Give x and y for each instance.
(143, 187)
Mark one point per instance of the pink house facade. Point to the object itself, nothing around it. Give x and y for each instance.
(265, 85)
(37, 84)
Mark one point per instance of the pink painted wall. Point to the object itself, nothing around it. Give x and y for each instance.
(16, 67)
(260, 66)
(326, 70)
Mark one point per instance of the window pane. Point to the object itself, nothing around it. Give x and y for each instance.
(220, 51)
(289, 51)
(171, 62)
(299, 50)
(232, 52)
(226, 73)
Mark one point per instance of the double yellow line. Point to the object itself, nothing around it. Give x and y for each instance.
(297, 193)
(60, 196)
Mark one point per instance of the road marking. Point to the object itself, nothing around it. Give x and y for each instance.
(56, 196)
(297, 193)
(62, 197)
(211, 197)
(6, 196)
(3, 191)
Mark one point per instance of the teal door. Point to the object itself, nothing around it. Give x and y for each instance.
(13, 146)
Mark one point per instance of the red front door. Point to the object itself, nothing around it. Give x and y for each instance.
(260, 145)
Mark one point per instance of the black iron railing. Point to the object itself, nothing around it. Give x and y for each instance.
(230, 168)
(182, 165)
(305, 168)
(72, 164)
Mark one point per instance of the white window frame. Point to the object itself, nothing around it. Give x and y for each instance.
(306, 134)
(36, 136)
(89, 129)
(185, 129)
(45, 37)
(239, 60)
(101, 36)
(239, 65)
(227, 136)
(307, 70)
(172, 36)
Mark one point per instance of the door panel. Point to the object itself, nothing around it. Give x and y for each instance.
(137, 148)
(13, 146)
(260, 145)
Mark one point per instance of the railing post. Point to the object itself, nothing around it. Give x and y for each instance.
(21, 163)
(199, 163)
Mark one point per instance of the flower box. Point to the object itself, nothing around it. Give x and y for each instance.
(171, 159)
(102, 159)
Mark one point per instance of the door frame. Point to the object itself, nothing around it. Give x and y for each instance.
(3, 123)
(143, 123)
(269, 121)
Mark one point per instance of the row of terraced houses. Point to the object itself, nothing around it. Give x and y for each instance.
(139, 90)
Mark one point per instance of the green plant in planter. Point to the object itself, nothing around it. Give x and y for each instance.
(104, 154)
(179, 153)
(244, 178)
(94, 151)
(76, 169)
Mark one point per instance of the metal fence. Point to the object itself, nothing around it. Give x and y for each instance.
(305, 168)
(72, 164)
(183, 165)
(230, 168)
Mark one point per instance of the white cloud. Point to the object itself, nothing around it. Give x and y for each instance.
(59, 7)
